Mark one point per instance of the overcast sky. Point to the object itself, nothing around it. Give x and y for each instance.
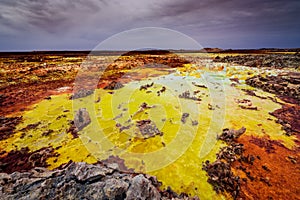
(83, 24)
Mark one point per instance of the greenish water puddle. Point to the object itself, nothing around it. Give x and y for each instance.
(175, 157)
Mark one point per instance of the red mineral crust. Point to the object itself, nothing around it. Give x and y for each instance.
(275, 172)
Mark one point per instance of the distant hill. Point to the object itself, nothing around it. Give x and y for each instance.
(148, 51)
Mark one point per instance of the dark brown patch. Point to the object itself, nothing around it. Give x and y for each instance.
(24, 160)
(289, 117)
(268, 145)
(73, 130)
(7, 126)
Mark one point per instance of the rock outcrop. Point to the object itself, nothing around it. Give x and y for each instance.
(82, 119)
(76, 181)
(80, 181)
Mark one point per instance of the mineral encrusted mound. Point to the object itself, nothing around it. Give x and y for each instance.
(82, 119)
(79, 181)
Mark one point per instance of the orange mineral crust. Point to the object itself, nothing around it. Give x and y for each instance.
(275, 172)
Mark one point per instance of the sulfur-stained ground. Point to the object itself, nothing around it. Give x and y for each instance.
(162, 120)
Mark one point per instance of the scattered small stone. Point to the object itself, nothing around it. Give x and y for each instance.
(31, 126)
(292, 159)
(210, 107)
(184, 117)
(252, 93)
(194, 123)
(118, 116)
(47, 133)
(98, 100)
(145, 87)
(266, 180)
(266, 168)
(122, 128)
(197, 91)
(248, 107)
(198, 85)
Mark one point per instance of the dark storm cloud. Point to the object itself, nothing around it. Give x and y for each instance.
(82, 24)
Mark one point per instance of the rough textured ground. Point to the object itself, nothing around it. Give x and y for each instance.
(81, 181)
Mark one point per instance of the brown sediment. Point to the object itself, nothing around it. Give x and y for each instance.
(7, 126)
(24, 160)
(275, 172)
(19, 97)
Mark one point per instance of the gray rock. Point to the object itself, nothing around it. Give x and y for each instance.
(79, 181)
(141, 188)
(82, 119)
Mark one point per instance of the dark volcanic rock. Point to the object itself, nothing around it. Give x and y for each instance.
(222, 178)
(228, 135)
(289, 117)
(264, 60)
(79, 181)
(114, 85)
(82, 119)
(81, 93)
(285, 84)
(220, 175)
(184, 117)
